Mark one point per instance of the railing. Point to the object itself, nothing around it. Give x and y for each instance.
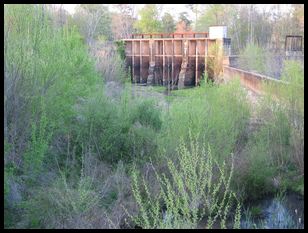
(171, 35)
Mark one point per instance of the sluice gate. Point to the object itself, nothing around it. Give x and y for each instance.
(177, 59)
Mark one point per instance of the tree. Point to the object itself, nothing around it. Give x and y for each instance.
(168, 24)
(214, 14)
(93, 20)
(196, 9)
(183, 25)
(126, 9)
(183, 17)
(122, 22)
(149, 20)
(298, 15)
(58, 15)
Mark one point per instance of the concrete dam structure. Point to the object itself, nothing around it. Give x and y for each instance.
(176, 59)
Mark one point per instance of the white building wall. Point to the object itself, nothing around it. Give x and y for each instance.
(217, 32)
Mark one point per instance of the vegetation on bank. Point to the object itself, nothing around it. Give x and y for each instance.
(76, 158)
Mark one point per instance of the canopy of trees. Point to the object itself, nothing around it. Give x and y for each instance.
(149, 20)
(247, 24)
(168, 24)
(93, 20)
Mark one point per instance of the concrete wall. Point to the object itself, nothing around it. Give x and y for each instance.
(251, 80)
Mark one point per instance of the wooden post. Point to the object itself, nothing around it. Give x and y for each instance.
(151, 52)
(163, 62)
(196, 73)
(172, 69)
(205, 55)
(157, 79)
(140, 59)
(133, 59)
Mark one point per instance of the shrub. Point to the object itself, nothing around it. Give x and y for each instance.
(40, 138)
(148, 115)
(265, 155)
(113, 68)
(287, 101)
(192, 190)
(252, 58)
(215, 63)
(218, 113)
(293, 96)
(42, 64)
(60, 204)
(122, 130)
(278, 144)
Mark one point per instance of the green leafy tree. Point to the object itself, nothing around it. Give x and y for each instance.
(213, 15)
(168, 23)
(149, 19)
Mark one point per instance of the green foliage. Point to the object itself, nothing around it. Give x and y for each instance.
(284, 133)
(148, 115)
(60, 203)
(204, 111)
(93, 21)
(253, 58)
(267, 151)
(121, 48)
(121, 130)
(187, 193)
(293, 94)
(298, 185)
(213, 15)
(237, 216)
(277, 146)
(56, 111)
(38, 146)
(149, 20)
(114, 68)
(204, 80)
(256, 211)
(52, 64)
(9, 174)
(168, 24)
(215, 63)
